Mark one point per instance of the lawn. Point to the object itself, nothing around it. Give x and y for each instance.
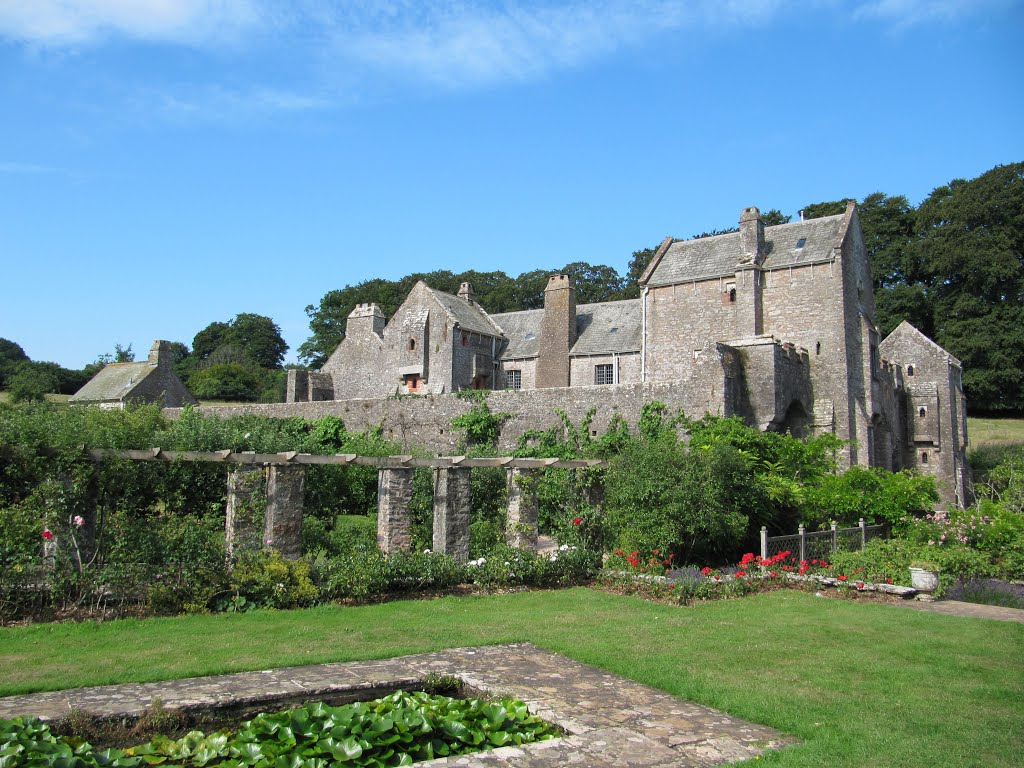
(995, 432)
(861, 684)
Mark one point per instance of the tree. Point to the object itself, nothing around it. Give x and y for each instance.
(208, 339)
(224, 381)
(261, 339)
(594, 282)
(11, 354)
(970, 242)
(31, 382)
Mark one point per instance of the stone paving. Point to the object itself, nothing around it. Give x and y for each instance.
(972, 610)
(610, 722)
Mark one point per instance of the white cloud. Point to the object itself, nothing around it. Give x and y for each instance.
(75, 21)
(27, 168)
(905, 13)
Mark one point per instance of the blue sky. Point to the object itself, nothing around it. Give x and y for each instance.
(168, 163)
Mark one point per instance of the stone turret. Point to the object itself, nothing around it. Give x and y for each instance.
(557, 332)
(364, 320)
(466, 293)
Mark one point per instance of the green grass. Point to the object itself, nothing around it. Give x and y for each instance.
(861, 684)
(5, 397)
(995, 432)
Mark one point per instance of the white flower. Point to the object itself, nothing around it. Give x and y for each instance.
(564, 547)
(426, 551)
(79, 520)
(507, 563)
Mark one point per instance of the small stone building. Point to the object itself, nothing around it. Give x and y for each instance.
(773, 324)
(153, 380)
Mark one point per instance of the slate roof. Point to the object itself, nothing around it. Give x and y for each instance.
(601, 328)
(469, 316)
(717, 256)
(113, 383)
(908, 330)
(522, 329)
(611, 326)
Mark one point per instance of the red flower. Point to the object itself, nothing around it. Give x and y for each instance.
(654, 551)
(772, 574)
(706, 570)
(577, 521)
(47, 534)
(888, 581)
(716, 578)
(860, 585)
(842, 578)
(741, 573)
(814, 562)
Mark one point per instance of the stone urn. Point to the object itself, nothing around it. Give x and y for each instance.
(924, 577)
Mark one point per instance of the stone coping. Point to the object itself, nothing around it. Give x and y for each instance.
(609, 721)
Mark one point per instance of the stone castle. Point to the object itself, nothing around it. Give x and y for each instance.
(772, 324)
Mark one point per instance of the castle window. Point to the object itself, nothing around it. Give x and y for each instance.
(513, 379)
(922, 412)
(465, 339)
(817, 347)
(924, 457)
(801, 243)
(412, 344)
(604, 374)
(910, 370)
(729, 294)
(413, 383)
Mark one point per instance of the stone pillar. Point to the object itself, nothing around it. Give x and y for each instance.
(593, 487)
(521, 528)
(244, 516)
(394, 519)
(282, 525)
(452, 512)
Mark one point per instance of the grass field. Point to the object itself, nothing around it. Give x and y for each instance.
(995, 432)
(860, 684)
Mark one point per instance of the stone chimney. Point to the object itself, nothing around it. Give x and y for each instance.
(751, 237)
(364, 320)
(749, 318)
(466, 293)
(557, 332)
(160, 352)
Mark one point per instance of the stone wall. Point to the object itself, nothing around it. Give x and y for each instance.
(581, 369)
(425, 421)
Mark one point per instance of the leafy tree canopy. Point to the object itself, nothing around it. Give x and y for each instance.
(256, 338)
(954, 268)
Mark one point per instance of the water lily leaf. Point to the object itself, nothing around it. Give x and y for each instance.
(250, 753)
(498, 738)
(346, 749)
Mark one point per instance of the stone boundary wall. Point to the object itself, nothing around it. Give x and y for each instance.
(424, 421)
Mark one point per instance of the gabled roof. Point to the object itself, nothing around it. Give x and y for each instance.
(113, 383)
(908, 332)
(469, 316)
(601, 328)
(717, 256)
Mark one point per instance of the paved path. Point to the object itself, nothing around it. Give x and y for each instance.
(610, 722)
(974, 610)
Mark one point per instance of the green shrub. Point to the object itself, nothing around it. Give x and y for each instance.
(693, 503)
(266, 580)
